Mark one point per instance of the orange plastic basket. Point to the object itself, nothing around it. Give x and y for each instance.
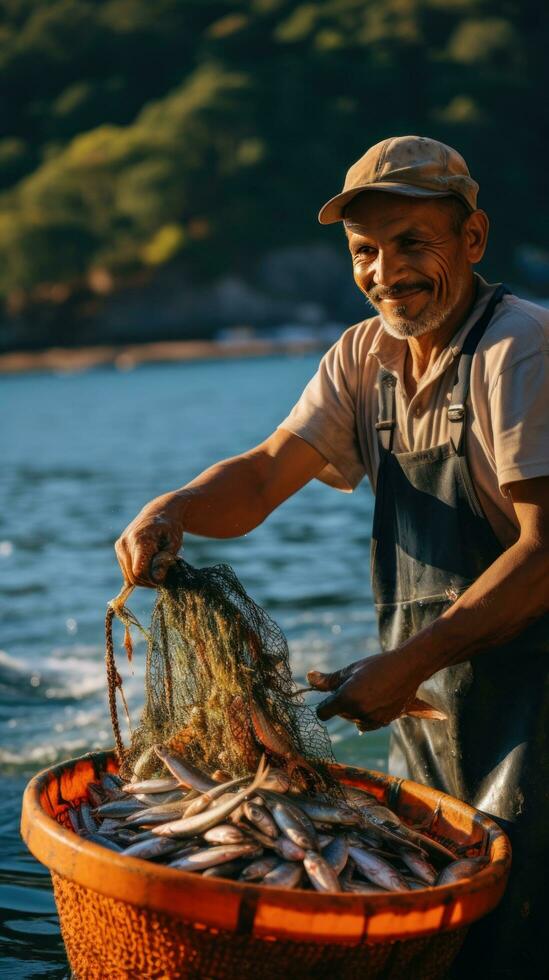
(125, 918)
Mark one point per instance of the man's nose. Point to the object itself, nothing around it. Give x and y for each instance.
(389, 268)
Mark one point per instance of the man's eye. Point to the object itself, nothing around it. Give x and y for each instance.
(410, 242)
(364, 251)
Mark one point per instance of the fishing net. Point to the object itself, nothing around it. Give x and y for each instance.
(218, 684)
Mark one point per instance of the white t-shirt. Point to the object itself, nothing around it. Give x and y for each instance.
(507, 426)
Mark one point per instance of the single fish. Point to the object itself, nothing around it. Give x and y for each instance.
(205, 800)
(321, 874)
(336, 854)
(118, 808)
(151, 849)
(189, 826)
(157, 799)
(225, 833)
(257, 869)
(292, 821)
(96, 838)
(209, 856)
(416, 707)
(86, 818)
(156, 814)
(110, 824)
(378, 870)
(328, 813)
(162, 785)
(229, 869)
(185, 773)
(276, 740)
(458, 870)
(421, 867)
(286, 874)
(260, 817)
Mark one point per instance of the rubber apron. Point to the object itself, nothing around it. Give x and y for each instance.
(430, 542)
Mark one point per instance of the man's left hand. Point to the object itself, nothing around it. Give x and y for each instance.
(371, 692)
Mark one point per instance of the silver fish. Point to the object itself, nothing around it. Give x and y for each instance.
(184, 772)
(229, 869)
(292, 822)
(118, 808)
(327, 813)
(420, 866)
(336, 854)
(163, 785)
(205, 800)
(378, 870)
(321, 874)
(148, 850)
(96, 838)
(225, 833)
(260, 817)
(156, 814)
(189, 826)
(209, 856)
(257, 869)
(465, 868)
(286, 874)
(159, 799)
(287, 849)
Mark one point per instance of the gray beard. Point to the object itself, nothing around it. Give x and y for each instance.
(413, 328)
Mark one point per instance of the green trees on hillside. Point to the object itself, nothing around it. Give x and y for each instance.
(135, 132)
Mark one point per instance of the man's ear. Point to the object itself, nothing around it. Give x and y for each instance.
(476, 229)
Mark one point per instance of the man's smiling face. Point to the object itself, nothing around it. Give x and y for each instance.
(412, 257)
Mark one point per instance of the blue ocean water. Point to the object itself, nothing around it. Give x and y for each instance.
(81, 455)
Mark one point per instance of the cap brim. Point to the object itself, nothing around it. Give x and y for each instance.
(333, 209)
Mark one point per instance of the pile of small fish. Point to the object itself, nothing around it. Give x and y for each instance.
(255, 829)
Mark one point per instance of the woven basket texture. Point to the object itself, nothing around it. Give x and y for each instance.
(112, 940)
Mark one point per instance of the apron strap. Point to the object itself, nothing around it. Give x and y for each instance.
(460, 391)
(386, 419)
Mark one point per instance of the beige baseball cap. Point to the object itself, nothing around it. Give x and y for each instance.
(411, 165)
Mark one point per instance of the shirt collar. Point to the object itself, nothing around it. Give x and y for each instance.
(391, 351)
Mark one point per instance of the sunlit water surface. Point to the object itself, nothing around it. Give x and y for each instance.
(81, 455)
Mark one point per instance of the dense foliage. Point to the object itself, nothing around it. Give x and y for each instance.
(137, 131)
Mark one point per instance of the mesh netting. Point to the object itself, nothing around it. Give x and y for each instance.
(218, 685)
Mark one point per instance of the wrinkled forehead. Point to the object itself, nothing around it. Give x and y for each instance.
(373, 214)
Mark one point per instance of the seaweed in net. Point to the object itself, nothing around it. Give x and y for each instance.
(218, 684)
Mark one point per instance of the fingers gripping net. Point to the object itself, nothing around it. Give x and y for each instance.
(218, 684)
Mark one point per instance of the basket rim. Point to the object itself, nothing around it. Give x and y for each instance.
(216, 903)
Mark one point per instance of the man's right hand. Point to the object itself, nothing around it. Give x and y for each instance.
(156, 532)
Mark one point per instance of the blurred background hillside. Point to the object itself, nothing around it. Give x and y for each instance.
(162, 164)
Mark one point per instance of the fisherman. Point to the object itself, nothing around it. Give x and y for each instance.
(442, 400)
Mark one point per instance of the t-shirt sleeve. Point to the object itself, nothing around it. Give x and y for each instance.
(325, 415)
(520, 418)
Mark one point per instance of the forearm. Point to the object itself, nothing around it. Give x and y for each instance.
(509, 595)
(225, 501)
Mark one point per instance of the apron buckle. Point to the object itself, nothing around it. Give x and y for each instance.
(456, 412)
